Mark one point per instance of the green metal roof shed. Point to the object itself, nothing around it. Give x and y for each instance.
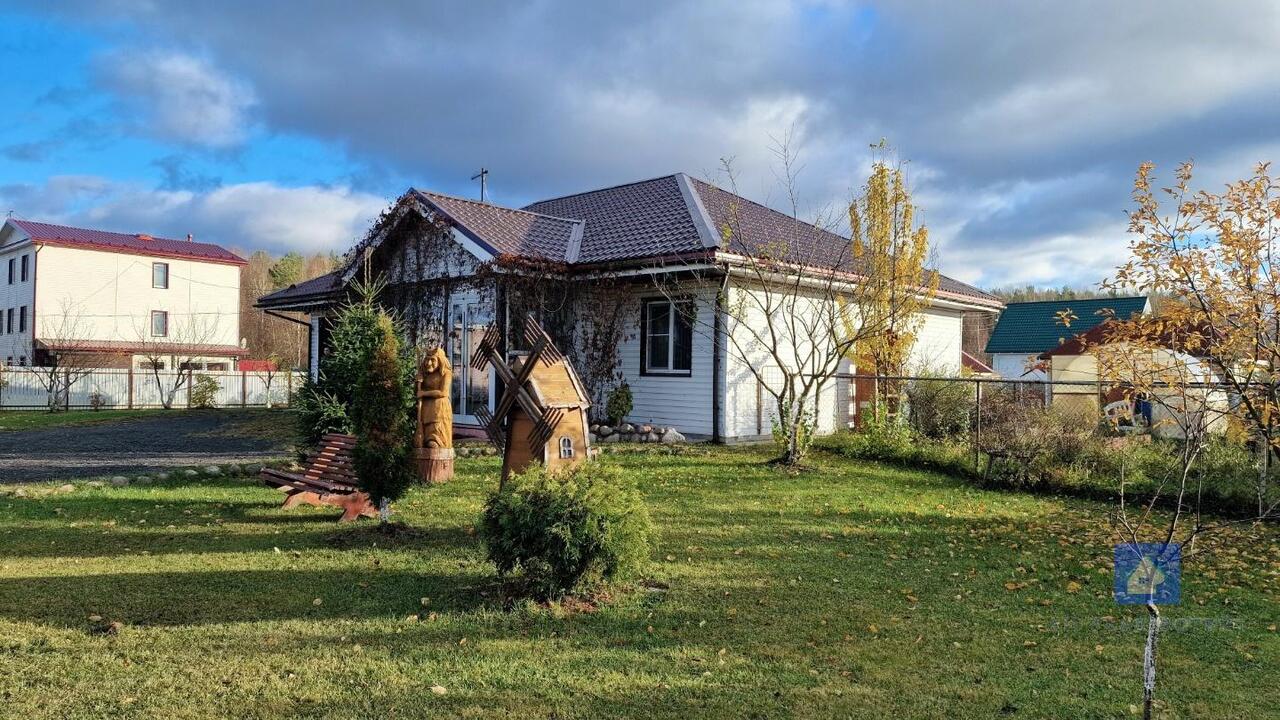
(1033, 327)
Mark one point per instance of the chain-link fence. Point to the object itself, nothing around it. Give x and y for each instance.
(942, 403)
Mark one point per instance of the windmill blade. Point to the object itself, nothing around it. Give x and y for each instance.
(487, 351)
(543, 428)
(534, 333)
(515, 388)
(492, 427)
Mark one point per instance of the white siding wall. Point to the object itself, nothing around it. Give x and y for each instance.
(108, 296)
(747, 418)
(20, 294)
(682, 402)
(750, 409)
(937, 348)
(1013, 366)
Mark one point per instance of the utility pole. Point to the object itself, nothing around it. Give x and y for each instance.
(483, 175)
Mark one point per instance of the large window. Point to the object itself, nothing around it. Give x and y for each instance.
(22, 319)
(160, 275)
(159, 323)
(25, 262)
(666, 337)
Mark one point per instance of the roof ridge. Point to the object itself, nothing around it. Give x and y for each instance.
(116, 232)
(607, 187)
(496, 206)
(1068, 300)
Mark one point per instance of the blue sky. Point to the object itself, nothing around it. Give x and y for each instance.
(287, 126)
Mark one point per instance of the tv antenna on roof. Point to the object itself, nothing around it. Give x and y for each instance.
(483, 175)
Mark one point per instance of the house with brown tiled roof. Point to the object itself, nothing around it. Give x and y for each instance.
(454, 266)
(122, 298)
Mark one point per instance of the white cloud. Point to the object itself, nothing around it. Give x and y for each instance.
(180, 97)
(251, 216)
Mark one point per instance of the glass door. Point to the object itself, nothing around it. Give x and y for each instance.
(468, 320)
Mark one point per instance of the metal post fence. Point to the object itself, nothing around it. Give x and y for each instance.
(1077, 395)
(28, 388)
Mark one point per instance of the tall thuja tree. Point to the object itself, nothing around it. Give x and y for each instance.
(892, 253)
(324, 404)
(381, 418)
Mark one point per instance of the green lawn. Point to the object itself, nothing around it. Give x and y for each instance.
(36, 419)
(852, 591)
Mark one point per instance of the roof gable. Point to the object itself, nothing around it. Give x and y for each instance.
(1033, 327)
(507, 231)
(140, 244)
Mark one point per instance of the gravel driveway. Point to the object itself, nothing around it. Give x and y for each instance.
(138, 445)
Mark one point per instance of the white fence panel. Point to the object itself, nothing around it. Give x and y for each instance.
(24, 388)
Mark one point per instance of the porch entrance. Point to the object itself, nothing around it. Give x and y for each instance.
(469, 317)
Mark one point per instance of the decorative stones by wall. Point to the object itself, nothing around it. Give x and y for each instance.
(627, 432)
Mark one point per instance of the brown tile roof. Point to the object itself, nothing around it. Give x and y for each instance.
(753, 229)
(644, 219)
(140, 244)
(664, 216)
(505, 231)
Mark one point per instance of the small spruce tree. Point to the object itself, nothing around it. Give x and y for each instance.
(379, 414)
(324, 404)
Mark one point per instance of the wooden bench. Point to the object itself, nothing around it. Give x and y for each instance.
(329, 479)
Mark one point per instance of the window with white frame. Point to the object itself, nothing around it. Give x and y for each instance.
(160, 275)
(566, 448)
(666, 329)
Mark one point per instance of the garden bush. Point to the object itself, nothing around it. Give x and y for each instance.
(565, 531)
(204, 392)
(619, 404)
(939, 409)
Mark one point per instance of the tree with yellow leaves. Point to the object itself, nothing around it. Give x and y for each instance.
(793, 303)
(1209, 358)
(892, 253)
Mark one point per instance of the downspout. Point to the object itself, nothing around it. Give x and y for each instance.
(718, 365)
(35, 254)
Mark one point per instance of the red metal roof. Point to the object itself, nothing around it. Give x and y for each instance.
(139, 243)
(973, 364)
(142, 348)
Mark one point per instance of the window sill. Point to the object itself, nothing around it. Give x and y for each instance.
(667, 373)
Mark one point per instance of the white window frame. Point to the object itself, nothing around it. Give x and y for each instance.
(670, 334)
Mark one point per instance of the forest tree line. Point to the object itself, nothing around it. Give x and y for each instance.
(269, 337)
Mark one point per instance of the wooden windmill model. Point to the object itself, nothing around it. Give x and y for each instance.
(542, 415)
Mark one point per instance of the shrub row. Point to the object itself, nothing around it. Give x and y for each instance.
(1052, 455)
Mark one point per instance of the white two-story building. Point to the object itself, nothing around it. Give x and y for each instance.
(131, 300)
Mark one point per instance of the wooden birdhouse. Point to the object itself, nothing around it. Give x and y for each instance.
(542, 415)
